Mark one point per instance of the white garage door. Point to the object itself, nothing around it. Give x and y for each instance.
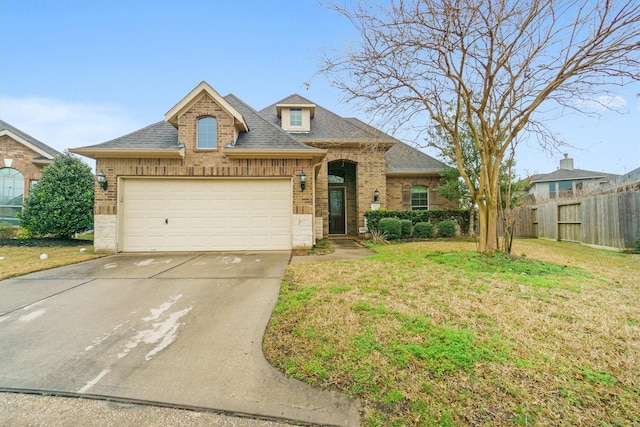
(205, 214)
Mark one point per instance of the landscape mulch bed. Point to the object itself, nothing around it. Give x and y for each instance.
(43, 242)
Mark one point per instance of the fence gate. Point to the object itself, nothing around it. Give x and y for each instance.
(570, 222)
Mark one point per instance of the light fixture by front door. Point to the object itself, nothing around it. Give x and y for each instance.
(303, 180)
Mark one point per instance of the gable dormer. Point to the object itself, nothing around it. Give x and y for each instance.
(296, 118)
(204, 114)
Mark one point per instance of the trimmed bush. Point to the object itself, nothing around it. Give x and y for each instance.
(406, 228)
(446, 228)
(460, 217)
(423, 230)
(390, 227)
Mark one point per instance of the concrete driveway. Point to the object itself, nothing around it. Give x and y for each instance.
(181, 329)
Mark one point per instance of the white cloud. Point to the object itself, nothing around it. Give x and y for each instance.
(603, 102)
(62, 124)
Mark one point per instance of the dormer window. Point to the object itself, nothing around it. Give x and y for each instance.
(207, 132)
(295, 117)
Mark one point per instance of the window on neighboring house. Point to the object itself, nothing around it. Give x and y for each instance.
(419, 198)
(295, 117)
(11, 195)
(565, 188)
(552, 190)
(207, 132)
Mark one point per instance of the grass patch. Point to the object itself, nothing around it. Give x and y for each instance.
(22, 256)
(508, 267)
(431, 333)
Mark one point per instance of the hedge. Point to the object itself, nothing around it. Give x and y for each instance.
(461, 217)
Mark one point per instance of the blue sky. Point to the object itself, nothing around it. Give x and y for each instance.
(80, 72)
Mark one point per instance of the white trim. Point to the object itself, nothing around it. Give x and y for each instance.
(7, 132)
(172, 115)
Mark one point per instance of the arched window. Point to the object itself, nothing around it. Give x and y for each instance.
(11, 195)
(207, 132)
(419, 197)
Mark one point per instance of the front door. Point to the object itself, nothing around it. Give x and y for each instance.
(337, 219)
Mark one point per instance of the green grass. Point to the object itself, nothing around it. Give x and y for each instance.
(433, 334)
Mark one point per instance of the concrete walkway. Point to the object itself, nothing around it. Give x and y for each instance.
(344, 249)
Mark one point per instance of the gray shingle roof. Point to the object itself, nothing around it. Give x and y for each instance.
(327, 126)
(262, 133)
(402, 158)
(570, 174)
(31, 140)
(265, 133)
(158, 136)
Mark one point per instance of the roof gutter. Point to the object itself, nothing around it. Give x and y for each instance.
(111, 153)
(414, 173)
(249, 153)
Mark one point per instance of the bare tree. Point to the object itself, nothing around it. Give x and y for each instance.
(502, 64)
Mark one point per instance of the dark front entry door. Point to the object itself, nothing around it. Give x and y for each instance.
(336, 211)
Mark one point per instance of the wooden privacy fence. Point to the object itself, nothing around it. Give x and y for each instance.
(609, 220)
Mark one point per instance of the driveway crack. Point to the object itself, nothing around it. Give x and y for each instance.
(22, 307)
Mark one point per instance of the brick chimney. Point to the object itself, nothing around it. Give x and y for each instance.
(566, 163)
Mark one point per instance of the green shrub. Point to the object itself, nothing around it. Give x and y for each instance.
(460, 217)
(446, 228)
(6, 230)
(638, 243)
(61, 204)
(406, 228)
(390, 227)
(423, 230)
(23, 233)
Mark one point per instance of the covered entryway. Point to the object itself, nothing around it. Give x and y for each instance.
(343, 212)
(173, 214)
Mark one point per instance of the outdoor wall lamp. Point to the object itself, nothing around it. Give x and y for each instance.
(376, 194)
(102, 179)
(303, 180)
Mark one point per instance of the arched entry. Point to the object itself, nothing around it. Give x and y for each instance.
(343, 212)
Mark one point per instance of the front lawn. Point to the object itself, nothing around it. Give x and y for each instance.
(22, 256)
(432, 333)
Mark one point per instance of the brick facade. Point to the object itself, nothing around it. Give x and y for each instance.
(22, 157)
(369, 166)
(399, 193)
(205, 163)
(362, 164)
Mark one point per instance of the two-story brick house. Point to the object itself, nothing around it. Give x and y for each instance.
(216, 174)
(22, 158)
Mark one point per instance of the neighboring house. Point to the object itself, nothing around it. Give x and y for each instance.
(22, 158)
(567, 182)
(632, 176)
(216, 174)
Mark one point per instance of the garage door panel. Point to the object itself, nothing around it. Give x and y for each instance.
(216, 214)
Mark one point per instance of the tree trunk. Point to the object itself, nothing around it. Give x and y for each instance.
(487, 201)
(488, 228)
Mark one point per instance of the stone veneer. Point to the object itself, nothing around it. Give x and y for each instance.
(104, 231)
